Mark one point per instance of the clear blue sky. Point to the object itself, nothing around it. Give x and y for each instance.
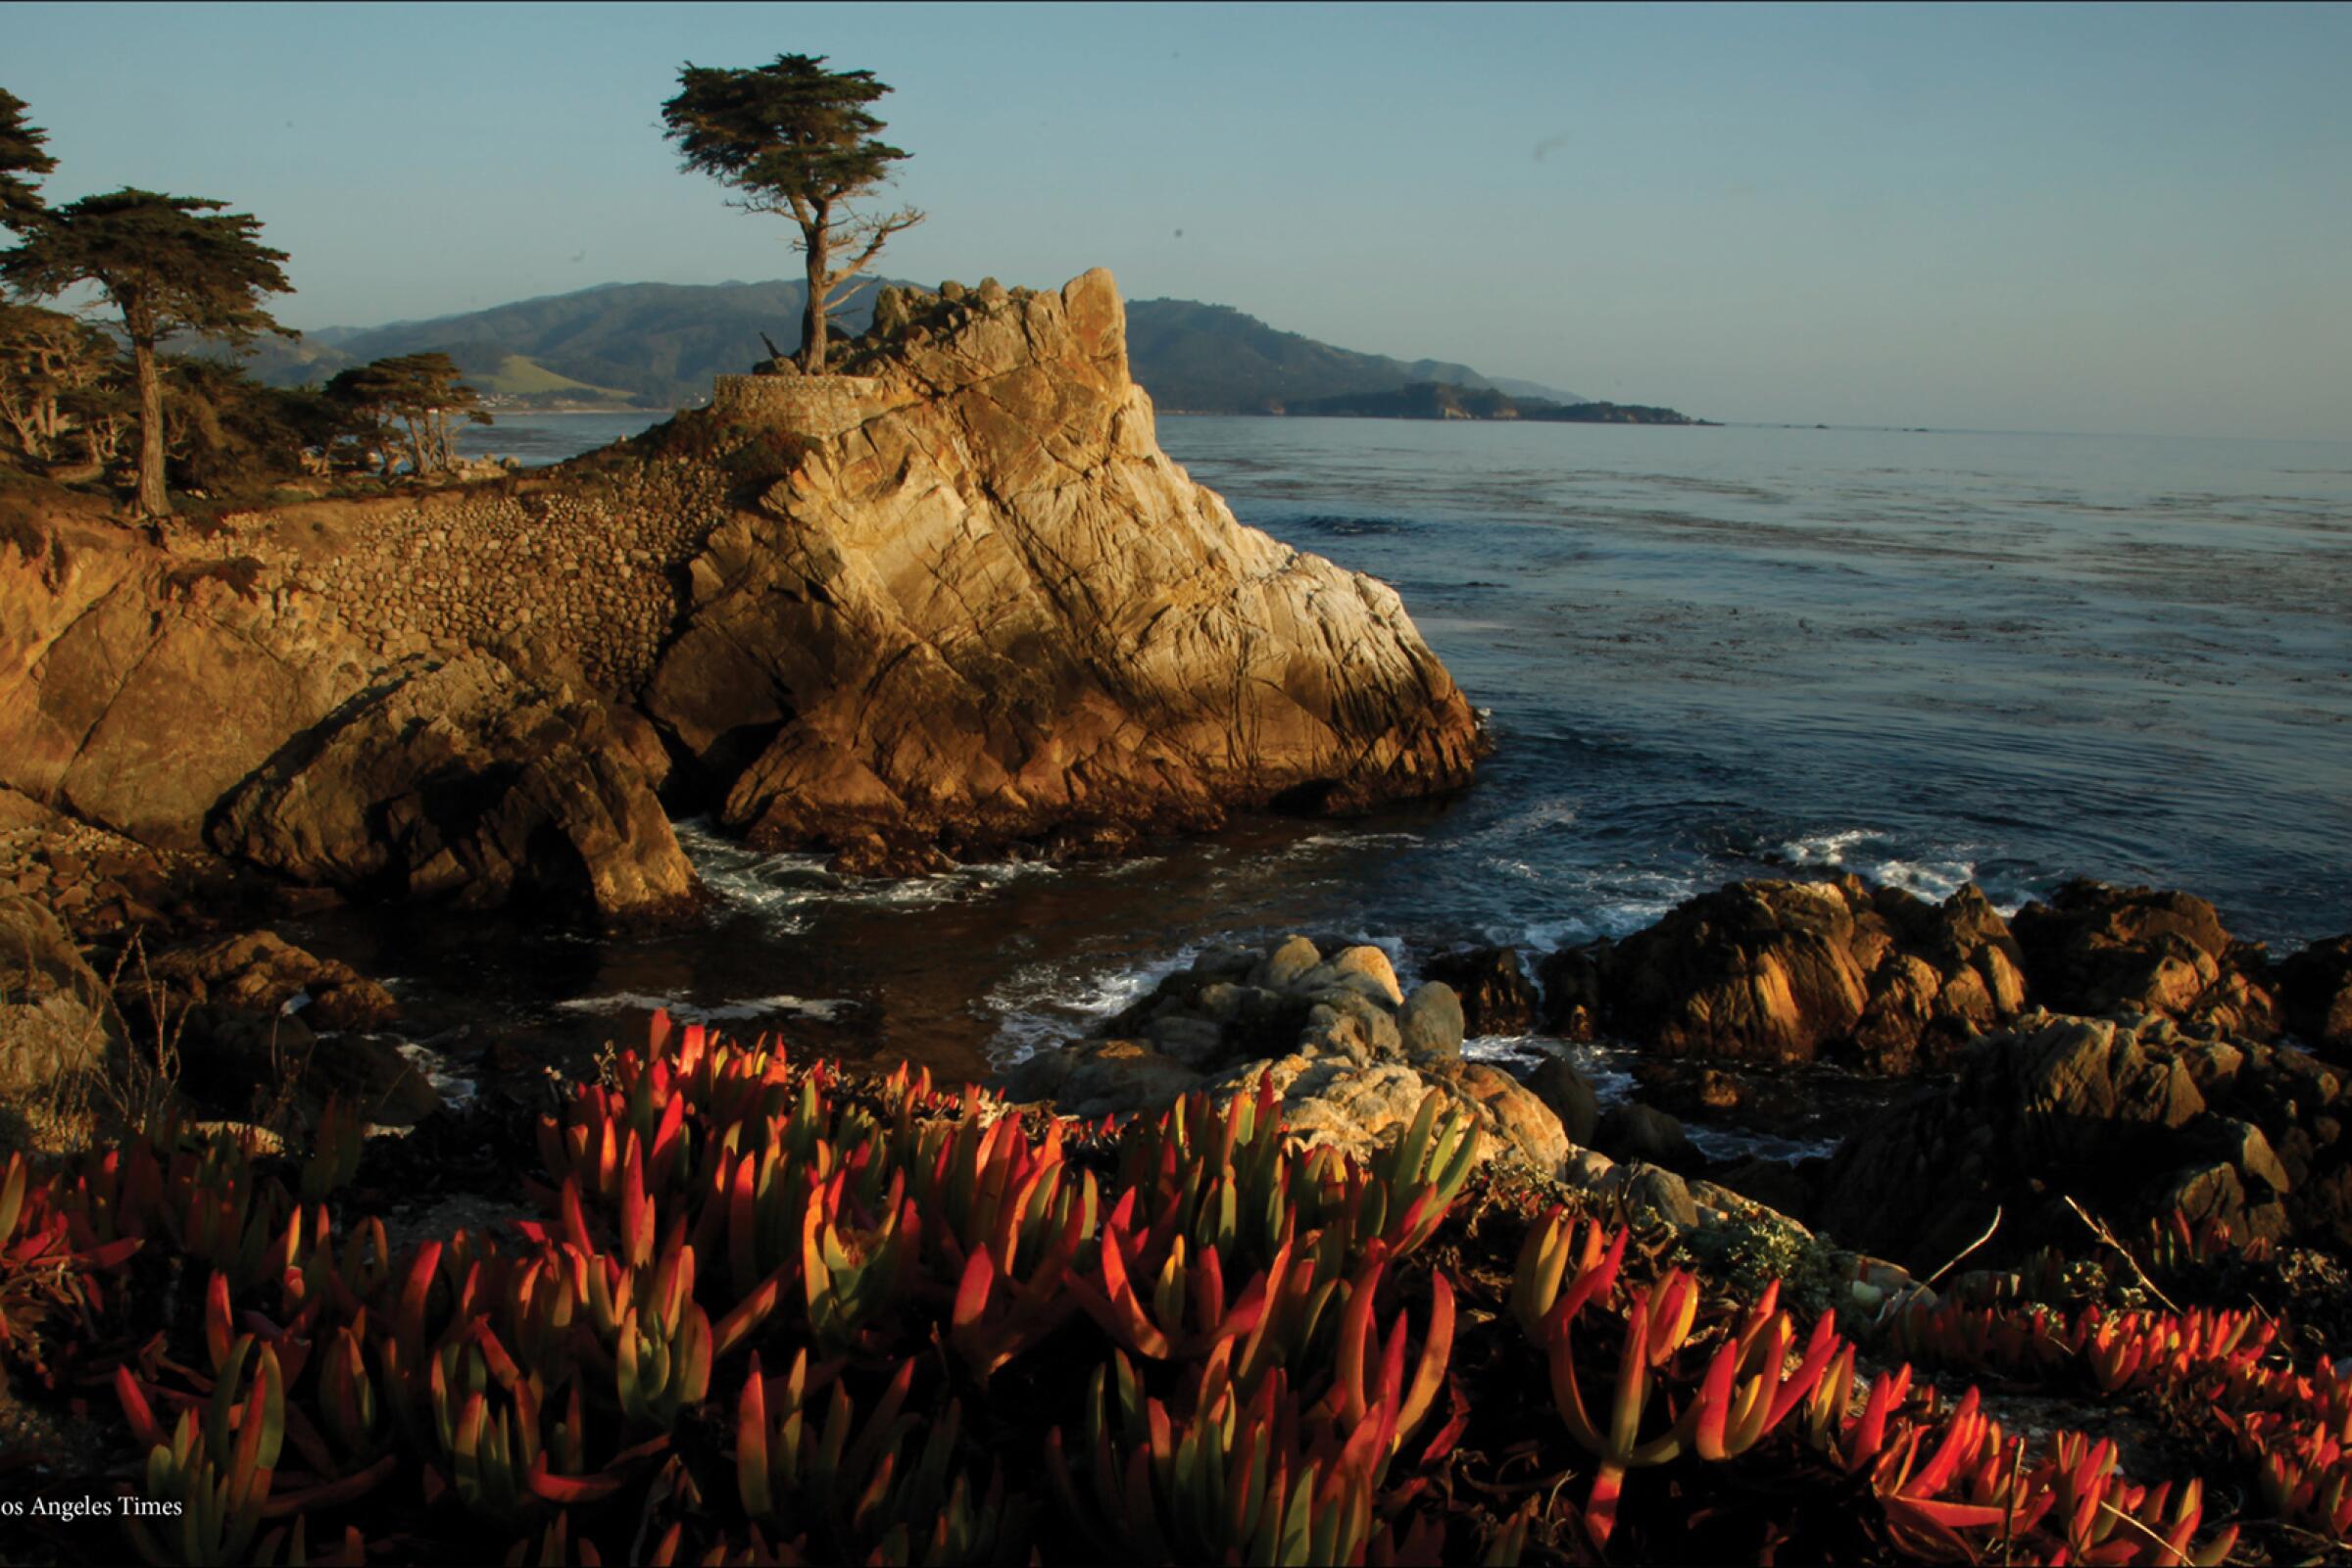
(2071, 217)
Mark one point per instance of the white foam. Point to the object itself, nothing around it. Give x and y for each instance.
(454, 1090)
(1038, 1004)
(784, 889)
(733, 1011)
(1870, 854)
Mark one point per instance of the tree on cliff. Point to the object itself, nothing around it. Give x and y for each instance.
(20, 157)
(169, 264)
(793, 137)
(419, 390)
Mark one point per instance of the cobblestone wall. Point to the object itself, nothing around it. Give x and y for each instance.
(814, 407)
(593, 572)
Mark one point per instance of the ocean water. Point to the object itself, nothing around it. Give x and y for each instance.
(1708, 653)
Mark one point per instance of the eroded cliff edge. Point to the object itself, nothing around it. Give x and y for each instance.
(952, 601)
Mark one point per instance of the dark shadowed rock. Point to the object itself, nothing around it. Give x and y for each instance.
(263, 972)
(1430, 1023)
(54, 1016)
(1638, 1132)
(1569, 1096)
(2315, 995)
(463, 781)
(1497, 996)
(1798, 971)
(241, 1060)
(2096, 949)
(1774, 1182)
(2129, 1119)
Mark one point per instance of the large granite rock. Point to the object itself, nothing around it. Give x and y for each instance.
(137, 687)
(461, 780)
(1798, 971)
(2130, 1119)
(181, 701)
(2096, 949)
(980, 605)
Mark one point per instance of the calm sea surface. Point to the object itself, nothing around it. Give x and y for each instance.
(1929, 656)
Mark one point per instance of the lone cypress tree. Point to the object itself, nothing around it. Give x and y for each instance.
(793, 137)
(169, 264)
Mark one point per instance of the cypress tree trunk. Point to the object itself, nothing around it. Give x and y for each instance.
(153, 501)
(814, 238)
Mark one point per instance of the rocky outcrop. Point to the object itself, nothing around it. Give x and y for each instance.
(979, 605)
(2096, 949)
(1792, 972)
(139, 687)
(2130, 1119)
(1350, 1054)
(263, 972)
(953, 599)
(465, 781)
(54, 1017)
(174, 701)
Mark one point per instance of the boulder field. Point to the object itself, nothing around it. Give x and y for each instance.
(955, 600)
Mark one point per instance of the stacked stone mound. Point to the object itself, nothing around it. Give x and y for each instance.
(1349, 1052)
(1791, 973)
(2130, 1119)
(994, 611)
(579, 573)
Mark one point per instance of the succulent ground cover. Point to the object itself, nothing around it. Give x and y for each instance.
(769, 1313)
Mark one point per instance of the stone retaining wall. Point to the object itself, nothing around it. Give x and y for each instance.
(814, 407)
(593, 575)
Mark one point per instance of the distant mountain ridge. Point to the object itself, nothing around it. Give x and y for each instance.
(659, 345)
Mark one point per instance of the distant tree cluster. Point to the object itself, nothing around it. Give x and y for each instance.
(177, 268)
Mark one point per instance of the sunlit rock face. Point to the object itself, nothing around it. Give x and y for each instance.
(980, 605)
